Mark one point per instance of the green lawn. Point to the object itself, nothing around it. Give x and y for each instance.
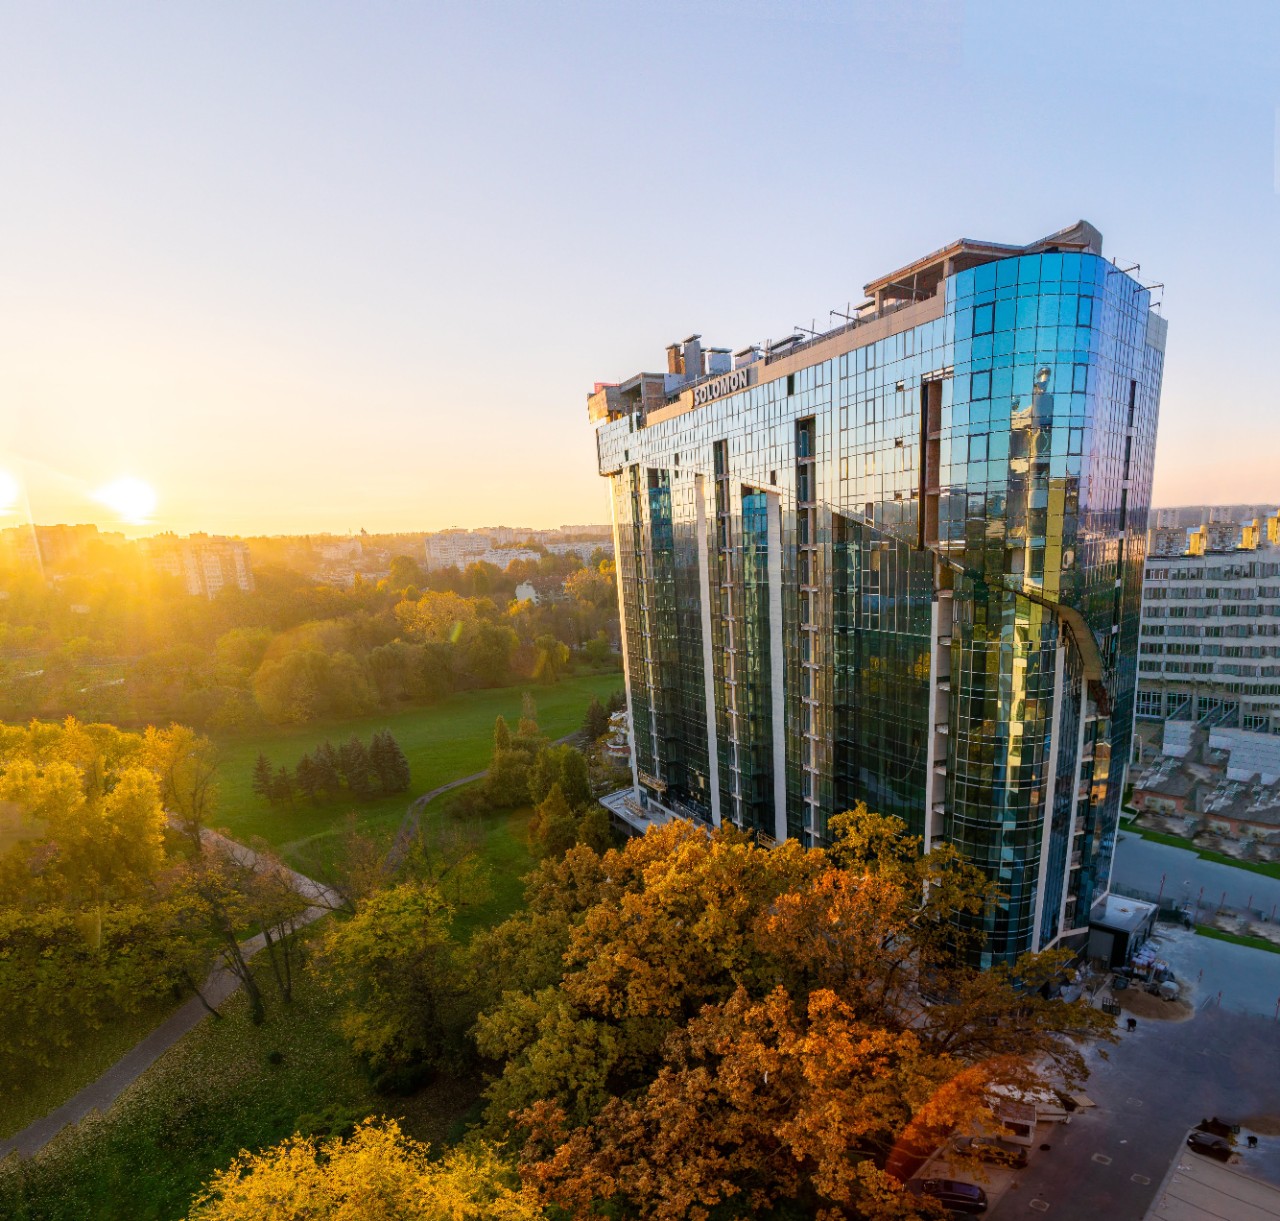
(504, 849)
(51, 1087)
(203, 1101)
(1270, 869)
(216, 1092)
(443, 742)
(1257, 943)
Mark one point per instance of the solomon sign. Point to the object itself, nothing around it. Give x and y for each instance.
(726, 383)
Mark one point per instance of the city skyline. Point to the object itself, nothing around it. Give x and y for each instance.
(317, 276)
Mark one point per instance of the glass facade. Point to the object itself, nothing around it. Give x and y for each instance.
(915, 548)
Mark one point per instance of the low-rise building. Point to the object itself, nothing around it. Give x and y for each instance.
(1221, 780)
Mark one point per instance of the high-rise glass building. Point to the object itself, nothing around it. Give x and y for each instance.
(901, 563)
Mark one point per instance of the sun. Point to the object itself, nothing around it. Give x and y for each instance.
(9, 492)
(133, 500)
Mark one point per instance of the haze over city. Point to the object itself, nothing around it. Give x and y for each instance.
(359, 266)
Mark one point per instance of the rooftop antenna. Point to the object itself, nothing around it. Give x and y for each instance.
(808, 330)
(845, 314)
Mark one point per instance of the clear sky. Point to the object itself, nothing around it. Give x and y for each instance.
(308, 266)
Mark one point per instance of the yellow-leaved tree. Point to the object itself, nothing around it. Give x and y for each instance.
(376, 1174)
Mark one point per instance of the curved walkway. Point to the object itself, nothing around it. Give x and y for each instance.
(222, 983)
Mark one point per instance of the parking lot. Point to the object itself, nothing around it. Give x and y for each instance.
(1157, 1082)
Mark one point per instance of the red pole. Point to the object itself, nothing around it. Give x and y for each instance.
(1199, 900)
(1160, 895)
(1222, 902)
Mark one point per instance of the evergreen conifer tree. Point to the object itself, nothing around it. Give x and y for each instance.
(380, 762)
(263, 778)
(398, 771)
(305, 777)
(354, 761)
(596, 723)
(328, 774)
(282, 785)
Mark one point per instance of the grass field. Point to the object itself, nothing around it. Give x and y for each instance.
(1256, 943)
(443, 742)
(212, 1095)
(51, 1087)
(1270, 869)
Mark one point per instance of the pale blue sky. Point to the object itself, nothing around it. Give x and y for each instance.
(317, 266)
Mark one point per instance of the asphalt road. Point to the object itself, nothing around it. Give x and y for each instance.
(1109, 1162)
(1180, 874)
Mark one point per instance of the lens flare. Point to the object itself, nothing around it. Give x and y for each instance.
(132, 500)
(9, 492)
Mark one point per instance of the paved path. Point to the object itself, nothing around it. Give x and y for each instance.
(100, 1094)
(221, 983)
(1142, 863)
(409, 826)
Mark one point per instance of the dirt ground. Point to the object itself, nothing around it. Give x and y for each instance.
(1263, 1125)
(1143, 1005)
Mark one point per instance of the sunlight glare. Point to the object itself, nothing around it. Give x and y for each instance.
(9, 492)
(132, 499)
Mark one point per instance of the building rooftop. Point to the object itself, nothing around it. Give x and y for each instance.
(691, 362)
(922, 277)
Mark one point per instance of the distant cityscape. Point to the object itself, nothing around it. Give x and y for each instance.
(207, 564)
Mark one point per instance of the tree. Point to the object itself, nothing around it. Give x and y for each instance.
(306, 779)
(353, 762)
(263, 777)
(501, 734)
(186, 765)
(404, 572)
(282, 785)
(397, 972)
(729, 1026)
(506, 784)
(596, 723)
(395, 774)
(565, 766)
(328, 774)
(597, 651)
(553, 830)
(552, 658)
(595, 831)
(376, 1174)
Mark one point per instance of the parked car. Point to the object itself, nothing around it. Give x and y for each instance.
(955, 1194)
(1210, 1145)
(992, 1150)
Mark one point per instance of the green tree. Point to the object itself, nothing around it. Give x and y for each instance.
(282, 785)
(397, 972)
(596, 723)
(552, 658)
(353, 762)
(263, 777)
(553, 830)
(306, 779)
(501, 734)
(595, 831)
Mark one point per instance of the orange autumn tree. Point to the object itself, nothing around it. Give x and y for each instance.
(705, 1028)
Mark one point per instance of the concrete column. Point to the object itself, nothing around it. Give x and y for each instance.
(1046, 826)
(616, 489)
(1075, 808)
(777, 666)
(708, 658)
